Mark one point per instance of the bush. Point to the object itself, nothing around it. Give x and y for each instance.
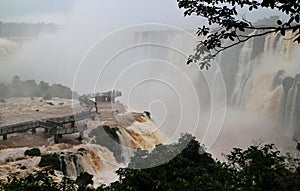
(37, 181)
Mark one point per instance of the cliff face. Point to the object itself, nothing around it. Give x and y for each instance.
(262, 76)
(253, 74)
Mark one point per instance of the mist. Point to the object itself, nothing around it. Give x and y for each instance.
(140, 48)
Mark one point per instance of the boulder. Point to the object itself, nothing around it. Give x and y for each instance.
(33, 152)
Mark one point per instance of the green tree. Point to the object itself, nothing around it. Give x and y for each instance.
(190, 169)
(224, 20)
(263, 168)
(37, 181)
(255, 168)
(193, 169)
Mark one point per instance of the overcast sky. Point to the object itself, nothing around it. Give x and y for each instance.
(85, 22)
(116, 13)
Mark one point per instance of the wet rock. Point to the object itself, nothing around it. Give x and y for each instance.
(50, 103)
(148, 114)
(278, 79)
(82, 151)
(51, 160)
(20, 158)
(33, 152)
(9, 159)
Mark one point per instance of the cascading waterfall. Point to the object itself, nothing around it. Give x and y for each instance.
(290, 105)
(71, 170)
(263, 83)
(7, 48)
(93, 159)
(245, 68)
(127, 153)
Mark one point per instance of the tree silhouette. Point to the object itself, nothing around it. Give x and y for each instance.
(225, 21)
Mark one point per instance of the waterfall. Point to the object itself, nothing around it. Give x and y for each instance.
(291, 104)
(7, 48)
(245, 68)
(71, 170)
(127, 152)
(262, 83)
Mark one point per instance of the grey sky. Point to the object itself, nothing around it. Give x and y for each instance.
(118, 12)
(108, 13)
(85, 21)
(16, 9)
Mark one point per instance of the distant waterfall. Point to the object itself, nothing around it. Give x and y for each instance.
(291, 105)
(7, 48)
(245, 68)
(262, 81)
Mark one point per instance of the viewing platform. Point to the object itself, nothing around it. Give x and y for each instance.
(109, 96)
(57, 126)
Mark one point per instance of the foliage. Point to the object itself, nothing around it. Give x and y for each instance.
(225, 21)
(256, 168)
(84, 179)
(26, 30)
(190, 168)
(39, 181)
(262, 168)
(29, 88)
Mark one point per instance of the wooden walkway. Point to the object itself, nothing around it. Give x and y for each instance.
(57, 126)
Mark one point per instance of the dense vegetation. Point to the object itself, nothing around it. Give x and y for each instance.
(256, 168)
(29, 88)
(25, 30)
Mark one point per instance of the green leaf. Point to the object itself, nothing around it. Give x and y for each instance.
(202, 65)
(279, 22)
(297, 18)
(189, 61)
(291, 20)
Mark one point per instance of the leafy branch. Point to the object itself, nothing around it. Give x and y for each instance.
(224, 15)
